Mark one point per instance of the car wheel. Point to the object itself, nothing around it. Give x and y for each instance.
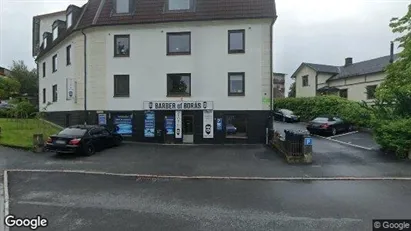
(90, 150)
(334, 131)
(284, 120)
(350, 128)
(117, 141)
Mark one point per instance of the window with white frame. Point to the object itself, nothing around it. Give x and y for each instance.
(55, 33)
(69, 20)
(179, 4)
(122, 6)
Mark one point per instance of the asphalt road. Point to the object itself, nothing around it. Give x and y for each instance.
(95, 202)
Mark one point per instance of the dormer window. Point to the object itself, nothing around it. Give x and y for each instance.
(122, 6)
(55, 33)
(69, 20)
(180, 5)
(44, 43)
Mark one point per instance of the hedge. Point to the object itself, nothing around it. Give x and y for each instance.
(394, 135)
(311, 107)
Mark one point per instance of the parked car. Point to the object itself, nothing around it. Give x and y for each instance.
(230, 129)
(328, 125)
(83, 139)
(286, 115)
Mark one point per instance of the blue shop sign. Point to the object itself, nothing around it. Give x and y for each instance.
(169, 125)
(123, 124)
(149, 124)
(219, 124)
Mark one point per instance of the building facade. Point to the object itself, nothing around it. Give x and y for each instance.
(174, 71)
(278, 85)
(354, 81)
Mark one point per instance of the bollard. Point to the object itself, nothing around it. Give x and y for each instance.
(38, 143)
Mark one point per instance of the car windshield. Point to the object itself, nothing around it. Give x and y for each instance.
(321, 119)
(73, 132)
(286, 112)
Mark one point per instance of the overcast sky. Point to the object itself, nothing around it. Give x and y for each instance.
(317, 31)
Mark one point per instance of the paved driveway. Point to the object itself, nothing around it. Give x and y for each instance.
(330, 159)
(95, 202)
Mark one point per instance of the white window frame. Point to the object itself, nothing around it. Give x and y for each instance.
(171, 9)
(123, 12)
(55, 33)
(69, 20)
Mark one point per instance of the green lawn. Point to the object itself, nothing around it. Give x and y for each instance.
(19, 132)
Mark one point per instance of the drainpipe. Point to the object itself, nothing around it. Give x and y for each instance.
(271, 65)
(85, 77)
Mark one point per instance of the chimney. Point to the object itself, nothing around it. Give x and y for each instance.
(392, 52)
(348, 61)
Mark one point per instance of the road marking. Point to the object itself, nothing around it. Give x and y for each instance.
(6, 197)
(345, 134)
(342, 142)
(240, 178)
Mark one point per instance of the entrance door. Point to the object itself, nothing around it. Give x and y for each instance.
(188, 129)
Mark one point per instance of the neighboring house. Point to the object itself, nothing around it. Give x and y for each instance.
(354, 81)
(278, 85)
(179, 71)
(4, 72)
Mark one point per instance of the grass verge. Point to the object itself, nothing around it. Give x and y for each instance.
(19, 132)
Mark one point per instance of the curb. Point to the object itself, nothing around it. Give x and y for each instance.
(345, 143)
(162, 144)
(16, 147)
(6, 197)
(149, 176)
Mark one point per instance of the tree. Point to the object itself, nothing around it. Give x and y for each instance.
(291, 92)
(27, 78)
(8, 87)
(395, 92)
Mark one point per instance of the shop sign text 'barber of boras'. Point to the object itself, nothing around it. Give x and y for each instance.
(178, 105)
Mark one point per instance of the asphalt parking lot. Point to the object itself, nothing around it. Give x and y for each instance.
(72, 201)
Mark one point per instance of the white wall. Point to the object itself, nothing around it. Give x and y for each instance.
(46, 23)
(148, 66)
(307, 91)
(59, 77)
(356, 86)
(209, 64)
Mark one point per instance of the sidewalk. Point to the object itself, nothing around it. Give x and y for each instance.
(2, 226)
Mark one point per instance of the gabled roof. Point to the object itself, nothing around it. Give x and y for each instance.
(323, 68)
(361, 68)
(364, 67)
(99, 13)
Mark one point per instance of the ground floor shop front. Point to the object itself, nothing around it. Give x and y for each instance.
(174, 123)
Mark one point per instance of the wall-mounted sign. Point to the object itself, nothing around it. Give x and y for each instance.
(219, 124)
(102, 119)
(179, 124)
(123, 124)
(169, 125)
(70, 88)
(178, 105)
(149, 124)
(208, 121)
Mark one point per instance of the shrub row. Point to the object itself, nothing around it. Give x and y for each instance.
(311, 107)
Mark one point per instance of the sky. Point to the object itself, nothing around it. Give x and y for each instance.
(316, 31)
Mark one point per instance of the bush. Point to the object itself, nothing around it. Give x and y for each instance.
(311, 107)
(394, 135)
(25, 109)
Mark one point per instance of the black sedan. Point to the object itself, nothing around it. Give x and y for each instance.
(83, 139)
(285, 116)
(328, 125)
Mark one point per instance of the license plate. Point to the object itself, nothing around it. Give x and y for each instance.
(60, 142)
